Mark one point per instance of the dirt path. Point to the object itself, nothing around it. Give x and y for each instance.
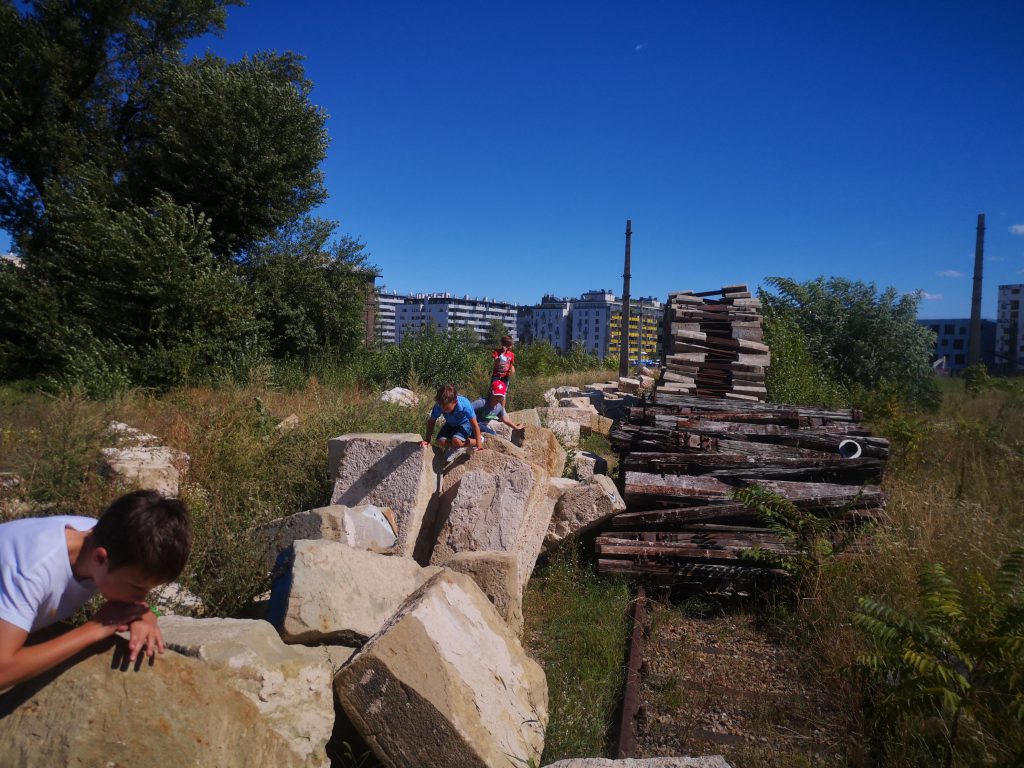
(719, 685)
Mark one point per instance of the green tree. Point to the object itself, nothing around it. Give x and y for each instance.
(97, 91)
(492, 336)
(310, 291)
(868, 342)
(135, 291)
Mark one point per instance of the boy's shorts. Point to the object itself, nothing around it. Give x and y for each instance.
(486, 428)
(448, 431)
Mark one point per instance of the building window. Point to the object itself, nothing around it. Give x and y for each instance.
(948, 330)
(958, 359)
(958, 344)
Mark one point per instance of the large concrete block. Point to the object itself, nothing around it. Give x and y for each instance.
(587, 417)
(528, 416)
(328, 592)
(156, 468)
(95, 710)
(493, 502)
(364, 527)
(581, 508)
(497, 575)
(446, 683)
(289, 684)
(586, 464)
(541, 447)
(388, 470)
(567, 432)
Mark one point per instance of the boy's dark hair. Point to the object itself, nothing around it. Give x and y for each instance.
(506, 341)
(145, 529)
(447, 394)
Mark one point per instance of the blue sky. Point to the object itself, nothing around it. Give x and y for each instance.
(496, 149)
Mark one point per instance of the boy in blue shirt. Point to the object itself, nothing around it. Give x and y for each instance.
(460, 425)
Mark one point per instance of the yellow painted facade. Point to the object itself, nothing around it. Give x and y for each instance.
(643, 335)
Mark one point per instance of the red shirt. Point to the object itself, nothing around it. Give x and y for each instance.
(503, 361)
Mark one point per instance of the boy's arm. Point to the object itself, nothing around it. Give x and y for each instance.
(430, 430)
(507, 421)
(145, 635)
(19, 662)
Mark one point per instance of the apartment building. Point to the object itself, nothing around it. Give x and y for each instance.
(1009, 345)
(547, 321)
(385, 325)
(951, 340)
(445, 312)
(594, 321)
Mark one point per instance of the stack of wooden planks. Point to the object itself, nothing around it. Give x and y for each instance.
(715, 346)
(682, 456)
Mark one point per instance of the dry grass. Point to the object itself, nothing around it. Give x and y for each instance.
(955, 488)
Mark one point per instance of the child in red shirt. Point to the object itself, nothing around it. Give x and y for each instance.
(504, 361)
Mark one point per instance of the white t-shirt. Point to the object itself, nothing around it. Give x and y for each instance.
(37, 587)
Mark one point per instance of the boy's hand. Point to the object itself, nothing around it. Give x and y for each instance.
(117, 617)
(520, 426)
(145, 632)
(424, 443)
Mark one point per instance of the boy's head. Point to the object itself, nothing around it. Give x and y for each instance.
(141, 540)
(506, 342)
(447, 397)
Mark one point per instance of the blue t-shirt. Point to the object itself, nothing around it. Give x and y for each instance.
(463, 413)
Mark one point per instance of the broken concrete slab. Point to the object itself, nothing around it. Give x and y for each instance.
(446, 683)
(575, 402)
(173, 599)
(366, 526)
(497, 575)
(586, 464)
(541, 447)
(588, 418)
(179, 711)
(290, 685)
(528, 416)
(387, 470)
(628, 384)
(401, 396)
(581, 508)
(126, 435)
(567, 432)
(288, 423)
(329, 592)
(156, 468)
(493, 502)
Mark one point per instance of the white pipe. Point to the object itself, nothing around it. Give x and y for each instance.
(850, 449)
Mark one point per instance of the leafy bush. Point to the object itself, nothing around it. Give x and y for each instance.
(955, 662)
(868, 342)
(793, 376)
(428, 359)
(125, 293)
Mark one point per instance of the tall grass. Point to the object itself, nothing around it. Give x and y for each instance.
(955, 487)
(244, 471)
(576, 626)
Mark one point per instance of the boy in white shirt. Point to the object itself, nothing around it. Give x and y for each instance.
(51, 566)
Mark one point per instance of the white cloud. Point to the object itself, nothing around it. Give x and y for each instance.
(639, 46)
(1020, 271)
(949, 273)
(1017, 229)
(931, 296)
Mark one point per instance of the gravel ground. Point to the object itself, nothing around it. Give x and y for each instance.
(719, 685)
